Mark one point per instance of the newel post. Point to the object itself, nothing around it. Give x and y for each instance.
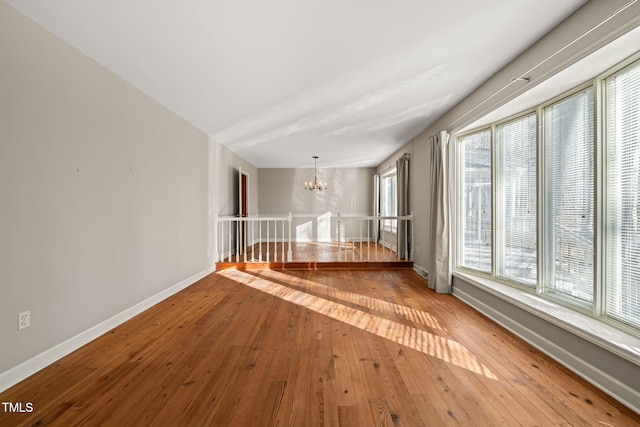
(339, 222)
(412, 239)
(290, 252)
(215, 238)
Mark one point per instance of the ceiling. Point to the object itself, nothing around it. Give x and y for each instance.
(282, 80)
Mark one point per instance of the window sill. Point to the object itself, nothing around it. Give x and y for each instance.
(598, 332)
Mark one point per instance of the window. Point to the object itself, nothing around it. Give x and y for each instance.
(541, 175)
(622, 232)
(388, 201)
(516, 257)
(476, 201)
(569, 196)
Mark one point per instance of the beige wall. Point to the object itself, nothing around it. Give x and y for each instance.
(349, 191)
(225, 166)
(103, 192)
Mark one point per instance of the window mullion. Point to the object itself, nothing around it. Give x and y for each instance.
(600, 183)
(497, 240)
(541, 200)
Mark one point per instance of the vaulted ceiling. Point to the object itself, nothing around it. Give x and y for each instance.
(282, 80)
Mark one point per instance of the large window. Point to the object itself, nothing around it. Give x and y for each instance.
(623, 196)
(388, 200)
(569, 196)
(516, 200)
(528, 212)
(476, 201)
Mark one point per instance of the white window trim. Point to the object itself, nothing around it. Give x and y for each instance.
(393, 228)
(596, 331)
(621, 338)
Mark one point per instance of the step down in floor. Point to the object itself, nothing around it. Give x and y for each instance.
(314, 265)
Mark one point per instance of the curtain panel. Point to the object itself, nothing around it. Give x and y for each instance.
(376, 207)
(404, 231)
(439, 262)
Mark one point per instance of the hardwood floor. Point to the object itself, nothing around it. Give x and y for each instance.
(310, 348)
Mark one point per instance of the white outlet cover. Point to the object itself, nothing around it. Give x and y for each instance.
(24, 319)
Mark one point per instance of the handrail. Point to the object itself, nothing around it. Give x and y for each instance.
(258, 238)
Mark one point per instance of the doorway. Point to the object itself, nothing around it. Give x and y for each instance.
(243, 208)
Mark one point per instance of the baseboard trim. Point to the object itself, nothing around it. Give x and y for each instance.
(590, 373)
(47, 357)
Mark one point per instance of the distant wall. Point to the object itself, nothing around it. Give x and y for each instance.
(349, 192)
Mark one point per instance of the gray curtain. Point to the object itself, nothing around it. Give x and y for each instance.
(404, 231)
(376, 207)
(439, 262)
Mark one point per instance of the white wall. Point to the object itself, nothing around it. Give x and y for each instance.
(103, 192)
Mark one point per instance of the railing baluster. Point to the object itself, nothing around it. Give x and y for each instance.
(369, 225)
(412, 238)
(360, 227)
(229, 240)
(353, 243)
(377, 236)
(243, 233)
(339, 223)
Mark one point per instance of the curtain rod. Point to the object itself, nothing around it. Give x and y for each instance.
(526, 76)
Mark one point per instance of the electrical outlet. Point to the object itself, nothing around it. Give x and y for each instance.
(24, 319)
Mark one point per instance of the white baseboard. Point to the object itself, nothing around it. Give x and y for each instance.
(47, 357)
(592, 374)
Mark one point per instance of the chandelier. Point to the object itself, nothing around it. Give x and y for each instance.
(315, 185)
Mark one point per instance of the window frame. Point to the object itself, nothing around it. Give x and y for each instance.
(497, 198)
(388, 225)
(542, 288)
(459, 228)
(597, 308)
(601, 83)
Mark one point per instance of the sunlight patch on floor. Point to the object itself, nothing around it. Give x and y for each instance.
(431, 344)
(375, 304)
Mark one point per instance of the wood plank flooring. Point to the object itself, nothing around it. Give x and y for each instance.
(310, 348)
